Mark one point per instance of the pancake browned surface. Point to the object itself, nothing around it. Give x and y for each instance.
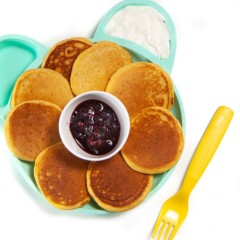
(155, 142)
(63, 54)
(115, 186)
(61, 177)
(42, 84)
(94, 67)
(140, 85)
(32, 126)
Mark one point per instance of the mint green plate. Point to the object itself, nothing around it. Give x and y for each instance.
(19, 53)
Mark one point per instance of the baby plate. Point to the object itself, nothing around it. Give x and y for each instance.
(19, 53)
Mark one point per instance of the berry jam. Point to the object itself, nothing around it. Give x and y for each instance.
(95, 127)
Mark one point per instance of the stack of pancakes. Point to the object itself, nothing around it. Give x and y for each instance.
(72, 67)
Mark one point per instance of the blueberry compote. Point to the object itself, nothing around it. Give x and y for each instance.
(95, 127)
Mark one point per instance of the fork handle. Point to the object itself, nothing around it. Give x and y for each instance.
(207, 147)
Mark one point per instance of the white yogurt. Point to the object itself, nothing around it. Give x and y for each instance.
(143, 25)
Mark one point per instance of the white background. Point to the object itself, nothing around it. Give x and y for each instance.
(206, 72)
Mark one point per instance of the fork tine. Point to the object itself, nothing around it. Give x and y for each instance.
(173, 233)
(162, 228)
(157, 225)
(168, 231)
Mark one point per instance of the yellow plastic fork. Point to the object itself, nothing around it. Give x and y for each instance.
(175, 209)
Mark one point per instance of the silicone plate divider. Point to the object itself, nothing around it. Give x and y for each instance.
(32, 54)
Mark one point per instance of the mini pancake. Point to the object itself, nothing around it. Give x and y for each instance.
(116, 187)
(62, 55)
(32, 126)
(155, 142)
(94, 67)
(140, 85)
(61, 177)
(42, 84)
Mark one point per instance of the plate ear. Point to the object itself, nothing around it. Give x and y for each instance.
(17, 54)
(101, 34)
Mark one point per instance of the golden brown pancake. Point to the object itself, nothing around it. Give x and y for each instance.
(140, 85)
(116, 187)
(42, 84)
(94, 67)
(61, 177)
(155, 142)
(32, 126)
(63, 54)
